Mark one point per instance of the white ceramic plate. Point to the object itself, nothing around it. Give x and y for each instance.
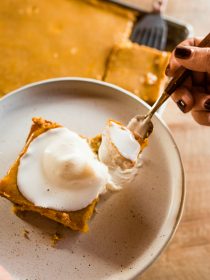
(130, 228)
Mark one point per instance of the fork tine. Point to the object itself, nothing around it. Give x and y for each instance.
(145, 37)
(141, 35)
(138, 34)
(135, 34)
(163, 38)
(156, 43)
(158, 39)
(152, 37)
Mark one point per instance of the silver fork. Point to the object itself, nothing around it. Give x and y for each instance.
(152, 30)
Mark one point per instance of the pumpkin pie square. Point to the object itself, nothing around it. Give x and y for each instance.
(139, 69)
(76, 220)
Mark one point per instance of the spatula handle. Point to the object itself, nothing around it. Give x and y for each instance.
(182, 73)
(159, 6)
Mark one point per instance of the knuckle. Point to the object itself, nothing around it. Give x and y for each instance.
(207, 63)
(200, 59)
(187, 42)
(176, 95)
(201, 117)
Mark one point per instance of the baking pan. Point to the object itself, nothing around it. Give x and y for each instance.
(177, 30)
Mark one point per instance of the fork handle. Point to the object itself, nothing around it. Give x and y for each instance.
(182, 73)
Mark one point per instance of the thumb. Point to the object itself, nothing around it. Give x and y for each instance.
(193, 58)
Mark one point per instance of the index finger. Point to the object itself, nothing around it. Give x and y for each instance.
(173, 63)
(4, 275)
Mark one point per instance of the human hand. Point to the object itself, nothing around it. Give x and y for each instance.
(4, 275)
(194, 94)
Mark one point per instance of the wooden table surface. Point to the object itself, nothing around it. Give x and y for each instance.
(188, 255)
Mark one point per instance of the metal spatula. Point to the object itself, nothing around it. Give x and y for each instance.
(141, 125)
(152, 29)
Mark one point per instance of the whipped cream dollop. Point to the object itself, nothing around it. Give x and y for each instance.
(60, 171)
(119, 150)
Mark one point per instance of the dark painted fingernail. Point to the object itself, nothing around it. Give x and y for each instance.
(181, 104)
(182, 52)
(167, 70)
(207, 105)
